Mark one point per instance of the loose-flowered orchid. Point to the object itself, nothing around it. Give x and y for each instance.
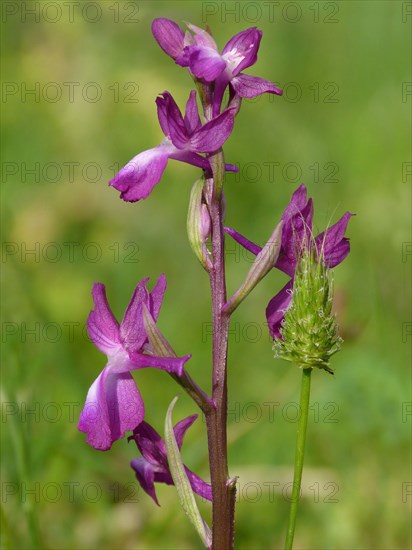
(331, 245)
(185, 139)
(153, 466)
(114, 404)
(199, 52)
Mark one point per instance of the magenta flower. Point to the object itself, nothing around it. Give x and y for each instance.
(113, 404)
(153, 465)
(200, 54)
(296, 236)
(185, 139)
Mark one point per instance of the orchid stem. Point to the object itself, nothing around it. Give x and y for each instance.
(299, 455)
(223, 488)
(203, 401)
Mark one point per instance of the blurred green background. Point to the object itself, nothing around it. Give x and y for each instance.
(343, 128)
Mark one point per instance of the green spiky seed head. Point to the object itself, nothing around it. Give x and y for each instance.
(309, 329)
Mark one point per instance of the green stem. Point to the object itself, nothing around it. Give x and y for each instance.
(299, 456)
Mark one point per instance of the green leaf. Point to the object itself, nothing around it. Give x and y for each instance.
(184, 490)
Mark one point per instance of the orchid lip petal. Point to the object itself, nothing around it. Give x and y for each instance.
(113, 406)
(137, 178)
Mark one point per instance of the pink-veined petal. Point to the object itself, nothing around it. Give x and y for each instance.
(192, 119)
(145, 475)
(181, 428)
(102, 326)
(248, 86)
(169, 36)
(213, 134)
(113, 406)
(156, 296)
(332, 243)
(202, 37)
(171, 120)
(276, 308)
(132, 331)
(137, 178)
(205, 63)
(241, 50)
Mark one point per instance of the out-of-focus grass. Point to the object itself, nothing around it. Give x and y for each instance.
(59, 493)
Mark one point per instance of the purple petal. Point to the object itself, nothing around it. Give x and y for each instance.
(297, 228)
(251, 247)
(102, 326)
(169, 36)
(205, 63)
(253, 86)
(241, 50)
(199, 486)
(192, 119)
(181, 428)
(297, 202)
(191, 158)
(219, 90)
(132, 331)
(161, 105)
(147, 440)
(202, 37)
(145, 476)
(213, 134)
(276, 308)
(333, 244)
(136, 180)
(170, 364)
(113, 406)
(156, 296)
(286, 264)
(171, 120)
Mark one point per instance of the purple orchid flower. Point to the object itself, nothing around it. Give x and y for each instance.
(113, 404)
(297, 235)
(200, 54)
(185, 139)
(153, 465)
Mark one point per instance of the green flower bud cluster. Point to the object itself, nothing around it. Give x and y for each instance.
(309, 329)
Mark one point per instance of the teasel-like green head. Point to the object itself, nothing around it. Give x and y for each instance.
(309, 332)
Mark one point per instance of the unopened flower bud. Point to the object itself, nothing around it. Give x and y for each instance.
(198, 224)
(205, 224)
(309, 335)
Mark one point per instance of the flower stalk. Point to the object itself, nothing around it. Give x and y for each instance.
(299, 455)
